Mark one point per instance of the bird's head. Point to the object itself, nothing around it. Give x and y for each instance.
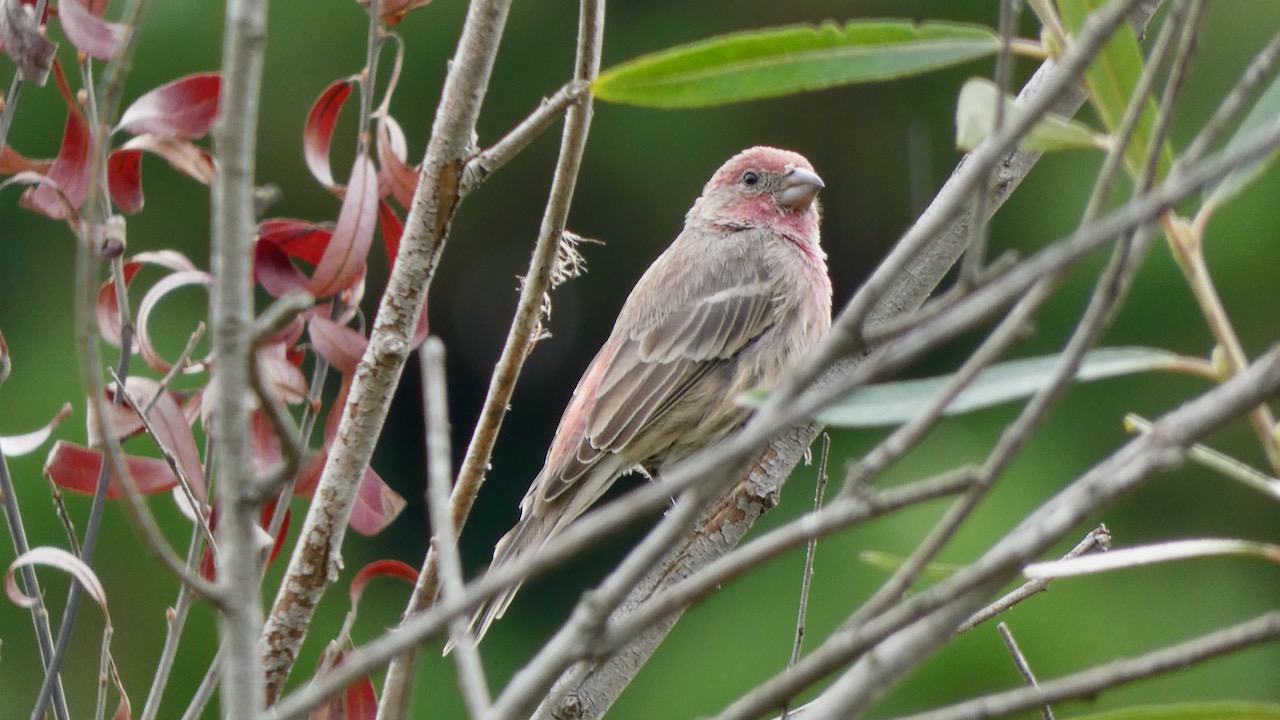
(763, 187)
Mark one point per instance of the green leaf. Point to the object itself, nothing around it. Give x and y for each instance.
(1264, 113)
(976, 119)
(1111, 79)
(781, 61)
(897, 402)
(890, 563)
(1192, 711)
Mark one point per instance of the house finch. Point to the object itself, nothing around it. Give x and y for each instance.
(737, 300)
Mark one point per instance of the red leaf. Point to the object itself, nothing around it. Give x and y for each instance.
(392, 229)
(76, 468)
(185, 108)
(393, 11)
(300, 239)
(108, 310)
(396, 177)
(13, 162)
(23, 42)
(358, 701)
(318, 132)
(182, 155)
(171, 429)
(274, 271)
(344, 259)
(124, 179)
(376, 505)
(362, 700)
(376, 569)
(88, 32)
(340, 345)
(70, 170)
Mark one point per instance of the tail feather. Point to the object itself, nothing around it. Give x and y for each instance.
(539, 521)
(529, 533)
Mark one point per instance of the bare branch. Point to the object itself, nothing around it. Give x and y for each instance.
(231, 326)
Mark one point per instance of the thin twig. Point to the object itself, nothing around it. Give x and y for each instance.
(518, 138)
(806, 577)
(1223, 464)
(184, 483)
(104, 109)
(30, 583)
(176, 621)
(475, 691)
(1098, 539)
(1023, 666)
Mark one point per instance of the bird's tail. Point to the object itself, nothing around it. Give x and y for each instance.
(528, 534)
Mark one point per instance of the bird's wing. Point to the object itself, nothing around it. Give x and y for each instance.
(649, 363)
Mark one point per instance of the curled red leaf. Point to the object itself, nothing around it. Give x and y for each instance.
(88, 32)
(56, 558)
(157, 292)
(108, 310)
(317, 134)
(274, 271)
(377, 569)
(171, 426)
(395, 176)
(185, 108)
(358, 700)
(344, 258)
(16, 445)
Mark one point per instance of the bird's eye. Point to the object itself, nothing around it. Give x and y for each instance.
(750, 178)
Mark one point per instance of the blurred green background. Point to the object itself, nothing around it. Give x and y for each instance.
(882, 149)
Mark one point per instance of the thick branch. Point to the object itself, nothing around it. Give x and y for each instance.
(231, 329)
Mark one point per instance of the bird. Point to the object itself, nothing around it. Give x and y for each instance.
(734, 302)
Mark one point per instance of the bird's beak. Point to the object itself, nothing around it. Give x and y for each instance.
(799, 188)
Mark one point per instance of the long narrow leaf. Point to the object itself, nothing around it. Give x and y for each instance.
(1111, 80)
(769, 63)
(897, 402)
